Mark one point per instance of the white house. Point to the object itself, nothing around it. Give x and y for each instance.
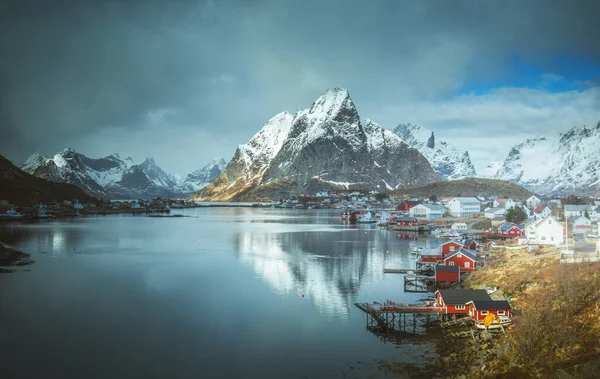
(78, 206)
(541, 211)
(580, 225)
(459, 226)
(504, 203)
(579, 210)
(545, 231)
(463, 206)
(533, 202)
(494, 212)
(321, 194)
(427, 211)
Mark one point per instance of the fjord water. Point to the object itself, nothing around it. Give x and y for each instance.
(223, 293)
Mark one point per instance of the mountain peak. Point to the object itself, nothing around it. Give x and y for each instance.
(431, 141)
(447, 161)
(332, 101)
(68, 151)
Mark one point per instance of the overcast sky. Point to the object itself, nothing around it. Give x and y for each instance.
(185, 81)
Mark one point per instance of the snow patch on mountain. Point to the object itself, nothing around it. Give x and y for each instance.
(445, 159)
(549, 165)
(111, 176)
(490, 170)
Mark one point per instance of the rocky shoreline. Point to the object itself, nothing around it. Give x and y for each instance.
(556, 333)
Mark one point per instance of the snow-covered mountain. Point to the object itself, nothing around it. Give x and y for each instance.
(569, 162)
(108, 177)
(447, 161)
(490, 170)
(202, 177)
(326, 146)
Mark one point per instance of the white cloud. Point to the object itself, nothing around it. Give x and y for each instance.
(489, 125)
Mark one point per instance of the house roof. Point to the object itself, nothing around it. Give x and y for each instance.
(459, 224)
(456, 296)
(452, 241)
(467, 253)
(434, 207)
(444, 268)
(540, 208)
(466, 199)
(490, 304)
(495, 209)
(577, 208)
(508, 226)
(405, 218)
(579, 218)
(468, 243)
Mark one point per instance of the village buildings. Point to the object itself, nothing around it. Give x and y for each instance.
(504, 203)
(546, 231)
(533, 202)
(464, 206)
(580, 225)
(427, 211)
(494, 212)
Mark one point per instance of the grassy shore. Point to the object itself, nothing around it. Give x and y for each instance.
(557, 329)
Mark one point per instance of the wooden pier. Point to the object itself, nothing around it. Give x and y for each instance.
(418, 283)
(395, 317)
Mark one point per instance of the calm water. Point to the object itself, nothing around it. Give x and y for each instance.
(225, 293)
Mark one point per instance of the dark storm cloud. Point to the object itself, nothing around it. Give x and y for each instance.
(87, 73)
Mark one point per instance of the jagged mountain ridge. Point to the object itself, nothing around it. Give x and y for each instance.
(109, 177)
(21, 188)
(567, 163)
(446, 160)
(326, 146)
(202, 177)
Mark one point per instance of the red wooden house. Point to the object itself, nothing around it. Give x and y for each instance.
(465, 259)
(455, 301)
(406, 221)
(407, 204)
(478, 309)
(449, 247)
(510, 229)
(470, 245)
(447, 274)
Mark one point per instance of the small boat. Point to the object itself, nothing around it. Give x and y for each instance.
(416, 250)
(11, 214)
(503, 321)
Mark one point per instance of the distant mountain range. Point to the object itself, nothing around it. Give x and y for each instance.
(329, 146)
(446, 160)
(324, 147)
(113, 177)
(567, 163)
(20, 188)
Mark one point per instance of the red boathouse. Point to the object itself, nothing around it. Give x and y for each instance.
(478, 309)
(455, 301)
(447, 274)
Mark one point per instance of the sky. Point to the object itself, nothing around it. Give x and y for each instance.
(187, 81)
